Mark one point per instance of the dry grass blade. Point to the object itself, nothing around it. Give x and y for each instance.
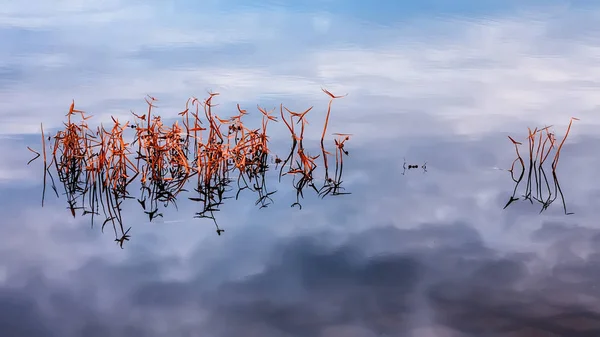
(97, 169)
(537, 180)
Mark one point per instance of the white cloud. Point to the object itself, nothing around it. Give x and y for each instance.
(61, 13)
(482, 75)
(459, 77)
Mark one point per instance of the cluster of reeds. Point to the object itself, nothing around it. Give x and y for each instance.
(537, 187)
(97, 168)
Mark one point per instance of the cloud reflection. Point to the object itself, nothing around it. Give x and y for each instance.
(416, 254)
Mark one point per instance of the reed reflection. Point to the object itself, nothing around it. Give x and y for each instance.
(97, 168)
(538, 187)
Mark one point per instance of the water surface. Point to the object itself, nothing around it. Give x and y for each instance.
(419, 254)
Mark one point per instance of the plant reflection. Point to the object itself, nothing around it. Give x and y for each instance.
(413, 166)
(97, 168)
(537, 186)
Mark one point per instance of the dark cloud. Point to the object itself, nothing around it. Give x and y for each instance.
(436, 279)
(380, 282)
(468, 269)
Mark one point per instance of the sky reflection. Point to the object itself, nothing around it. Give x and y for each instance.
(419, 254)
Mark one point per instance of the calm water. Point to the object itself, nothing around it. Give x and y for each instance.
(416, 254)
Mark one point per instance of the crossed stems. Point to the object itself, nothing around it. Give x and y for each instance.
(95, 166)
(546, 141)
